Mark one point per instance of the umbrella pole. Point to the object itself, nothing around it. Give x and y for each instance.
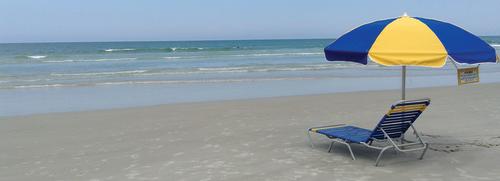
(403, 82)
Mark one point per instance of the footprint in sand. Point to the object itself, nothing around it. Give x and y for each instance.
(448, 145)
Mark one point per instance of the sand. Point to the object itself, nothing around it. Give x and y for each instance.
(257, 139)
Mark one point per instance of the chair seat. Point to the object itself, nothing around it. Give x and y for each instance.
(348, 133)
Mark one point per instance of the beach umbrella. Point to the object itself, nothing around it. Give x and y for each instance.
(410, 41)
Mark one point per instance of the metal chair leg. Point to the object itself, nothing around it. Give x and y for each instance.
(331, 147)
(380, 155)
(346, 144)
(402, 141)
(423, 152)
(310, 139)
(350, 150)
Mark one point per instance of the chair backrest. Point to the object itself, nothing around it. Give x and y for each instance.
(399, 118)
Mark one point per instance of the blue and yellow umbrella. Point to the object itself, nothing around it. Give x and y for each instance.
(410, 41)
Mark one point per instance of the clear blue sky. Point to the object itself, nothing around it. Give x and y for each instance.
(132, 20)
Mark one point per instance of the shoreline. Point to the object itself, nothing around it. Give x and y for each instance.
(396, 95)
(52, 100)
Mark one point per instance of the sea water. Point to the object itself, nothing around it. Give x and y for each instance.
(59, 77)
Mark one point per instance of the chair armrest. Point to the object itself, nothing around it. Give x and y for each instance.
(314, 129)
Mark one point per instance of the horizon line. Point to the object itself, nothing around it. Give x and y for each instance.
(187, 40)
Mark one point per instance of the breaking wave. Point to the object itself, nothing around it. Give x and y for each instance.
(95, 60)
(99, 73)
(157, 82)
(37, 56)
(119, 49)
(175, 49)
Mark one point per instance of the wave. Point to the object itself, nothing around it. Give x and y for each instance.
(158, 82)
(172, 57)
(205, 81)
(166, 49)
(278, 54)
(42, 86)
(37, 56)
(177, 57)
(495, 45)
(99, 73)
(174, 49)
(222, 68)
(119, 49)
(202, 70)
(96, 60)
(244, 55)
(219, 70)
(249, 69)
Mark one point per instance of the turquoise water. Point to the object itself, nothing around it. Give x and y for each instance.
(57, 77)
(88, 64)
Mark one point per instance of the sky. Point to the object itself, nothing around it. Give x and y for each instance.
(171, 20)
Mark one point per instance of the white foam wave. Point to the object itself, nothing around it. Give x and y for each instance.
(269, 69)
(186, 48)
(184, 57)
(119, 49)
(37, 56)
(203, 81)
(247, 55)
(172, 57)
(222, 68)
(495, 45)
(161, 82)
(100, 73)
(96, 60)
(192, 72)
(316, 53)
(245, 69)
(278, 54)
(43, 86)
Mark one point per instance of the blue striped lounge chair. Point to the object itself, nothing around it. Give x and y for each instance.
(388, 134)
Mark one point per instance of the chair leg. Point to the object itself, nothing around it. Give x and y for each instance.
(380, 155)
(423, 152)
(346, 144)
(309, 137)
(350, 150)
(396, 152)
(331, 147)
(402, 141)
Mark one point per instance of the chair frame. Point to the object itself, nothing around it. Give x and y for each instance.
(422, 145)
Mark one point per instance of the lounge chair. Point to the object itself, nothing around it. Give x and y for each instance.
(390, 130)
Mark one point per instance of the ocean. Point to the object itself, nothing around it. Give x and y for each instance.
(59, 77)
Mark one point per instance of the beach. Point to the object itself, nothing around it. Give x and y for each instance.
(249, 90)
(254, 139)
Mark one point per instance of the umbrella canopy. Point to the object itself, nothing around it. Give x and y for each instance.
(410, 41)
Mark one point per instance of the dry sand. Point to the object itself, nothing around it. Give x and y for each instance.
(258, 139)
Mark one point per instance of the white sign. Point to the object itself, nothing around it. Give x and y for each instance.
(468, 75)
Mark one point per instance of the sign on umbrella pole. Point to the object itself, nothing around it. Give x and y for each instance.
(468, 75)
